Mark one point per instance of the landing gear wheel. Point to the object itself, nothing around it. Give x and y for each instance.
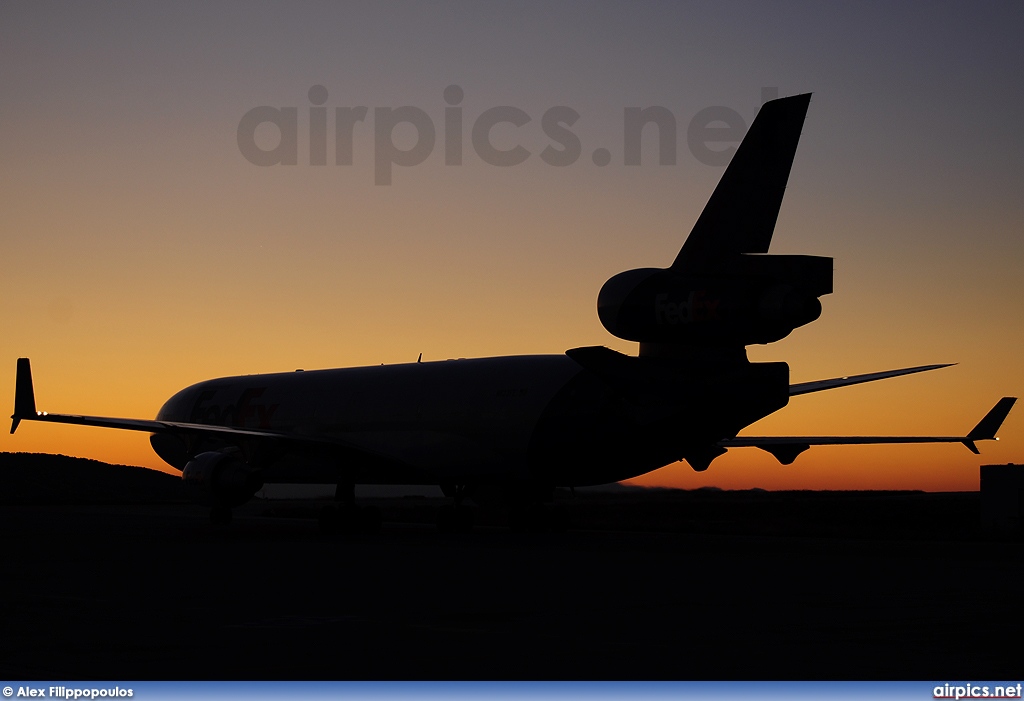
(446, 518)
(368, 519)
(535, 518)
(454, 519)
(517, 520)
(464, 517)
(220, 516)
(526, 519)
(557, 519)
(330, 520)
(349, 519)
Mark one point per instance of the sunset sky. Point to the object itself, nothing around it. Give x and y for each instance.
(142, 252)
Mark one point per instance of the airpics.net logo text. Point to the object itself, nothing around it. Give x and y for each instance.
(977, 691)
(711, 134)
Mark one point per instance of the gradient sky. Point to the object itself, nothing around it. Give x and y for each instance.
(142, 252)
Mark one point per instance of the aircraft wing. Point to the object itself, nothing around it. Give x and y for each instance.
(25, 410)
(147, 425)
(819, 385)
(787, 448)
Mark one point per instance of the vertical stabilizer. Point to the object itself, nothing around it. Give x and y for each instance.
(741, 214)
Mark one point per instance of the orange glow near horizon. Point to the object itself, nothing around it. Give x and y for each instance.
(845, 411)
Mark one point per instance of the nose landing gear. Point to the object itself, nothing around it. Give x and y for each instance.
(345, 516)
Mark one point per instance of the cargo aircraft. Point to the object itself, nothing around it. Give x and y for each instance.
(512, 429)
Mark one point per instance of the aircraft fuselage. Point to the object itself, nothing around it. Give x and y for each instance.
(540, 418)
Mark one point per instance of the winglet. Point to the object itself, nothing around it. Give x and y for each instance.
(24, 395)
(987, 427)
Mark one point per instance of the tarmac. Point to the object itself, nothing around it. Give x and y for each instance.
(658, 585)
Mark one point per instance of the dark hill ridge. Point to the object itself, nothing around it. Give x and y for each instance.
(39, 478)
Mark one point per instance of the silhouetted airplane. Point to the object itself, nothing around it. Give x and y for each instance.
(516, 427)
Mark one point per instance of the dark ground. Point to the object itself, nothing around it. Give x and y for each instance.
(662, 584)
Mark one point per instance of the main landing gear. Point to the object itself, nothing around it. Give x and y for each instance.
(538, 518)
(220, 516)
(455, 517)
(345, 516)
(531, 509)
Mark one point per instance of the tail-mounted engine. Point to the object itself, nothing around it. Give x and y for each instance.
(738, 301)
(723, 291)
(221, 478)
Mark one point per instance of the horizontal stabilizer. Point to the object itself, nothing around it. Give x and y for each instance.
(819, 385)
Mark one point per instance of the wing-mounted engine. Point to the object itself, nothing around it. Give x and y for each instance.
(221, 478)
(742, 300)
